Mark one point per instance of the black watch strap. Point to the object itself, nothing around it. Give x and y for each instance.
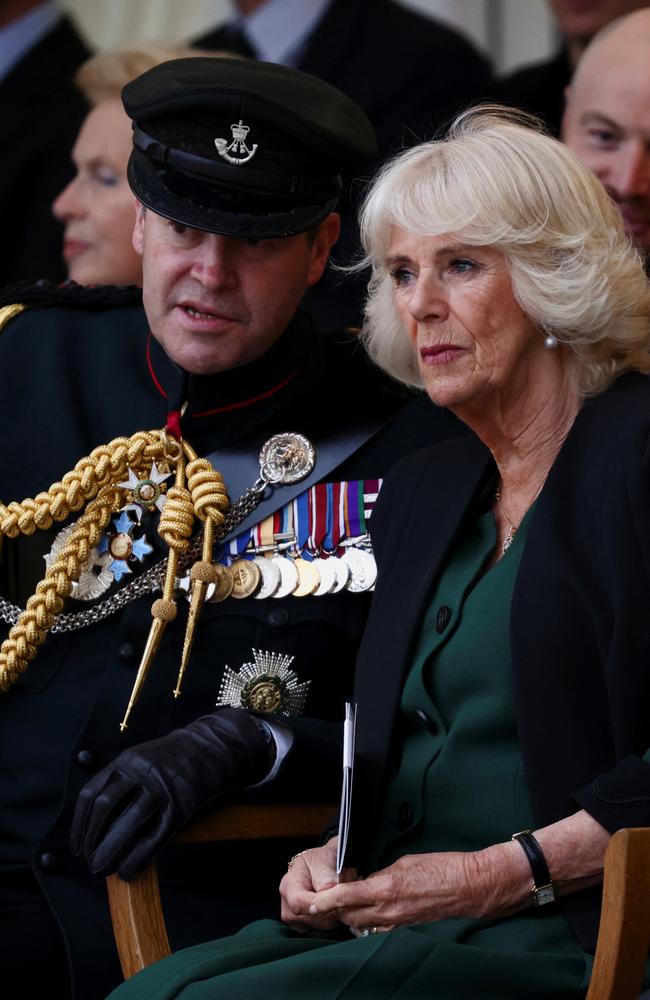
(543, 891)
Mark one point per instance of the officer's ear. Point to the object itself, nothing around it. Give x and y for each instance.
(137, 239)
(321, 241)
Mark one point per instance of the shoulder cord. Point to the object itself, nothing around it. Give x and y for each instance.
(199, 491)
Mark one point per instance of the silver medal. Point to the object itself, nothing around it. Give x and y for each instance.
(271, 578)
(327, 571)
(286, 458)
(342, 574)
(363, 569)
(288, 576)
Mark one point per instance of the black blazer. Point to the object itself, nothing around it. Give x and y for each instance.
(539, 88)
(42, 112)
(580, 625)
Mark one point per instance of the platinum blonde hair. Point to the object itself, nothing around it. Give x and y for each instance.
(498, 180)
(103, 76)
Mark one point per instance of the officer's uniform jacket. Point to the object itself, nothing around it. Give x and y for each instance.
(79, 376)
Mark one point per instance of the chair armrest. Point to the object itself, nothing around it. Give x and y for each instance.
(624, 932)
(136, 907)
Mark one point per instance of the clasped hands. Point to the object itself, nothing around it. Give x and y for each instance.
(417, 888)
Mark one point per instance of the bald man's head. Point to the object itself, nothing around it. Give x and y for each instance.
(607, 117)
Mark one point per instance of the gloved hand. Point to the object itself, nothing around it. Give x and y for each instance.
(130, 809)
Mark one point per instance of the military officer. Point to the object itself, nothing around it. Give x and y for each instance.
(121, 427)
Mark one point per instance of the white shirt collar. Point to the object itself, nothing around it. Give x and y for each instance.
(17, 38)
(279, 29)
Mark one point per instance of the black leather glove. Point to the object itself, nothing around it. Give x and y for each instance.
(130, 809)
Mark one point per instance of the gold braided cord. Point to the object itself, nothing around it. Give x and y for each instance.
(177, 519)
(21, 645)
(208, 491)
(94, 483)
(8, 312)
(106, 464)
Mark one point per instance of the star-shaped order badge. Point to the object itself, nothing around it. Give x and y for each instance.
(266, 685)
(95, 577)
(145, 494)
(122, 547)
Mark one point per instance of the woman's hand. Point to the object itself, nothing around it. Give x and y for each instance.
(419, 888)
(487, 884)
(312, 872)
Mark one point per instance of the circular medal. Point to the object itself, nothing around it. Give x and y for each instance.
(363, 569)
(270, 577)
(288, 576)
(341, 574)
(263, 694)
(246, 578)
(223, 585)
(327, 572)
(286, 458)
(308, 578)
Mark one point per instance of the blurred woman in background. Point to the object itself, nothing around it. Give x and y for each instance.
(97, 206)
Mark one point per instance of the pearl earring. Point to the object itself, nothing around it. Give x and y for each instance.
(550, 342)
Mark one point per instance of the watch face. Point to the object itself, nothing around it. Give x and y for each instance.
(544, 894)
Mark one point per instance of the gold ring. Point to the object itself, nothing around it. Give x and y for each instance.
(294, 859)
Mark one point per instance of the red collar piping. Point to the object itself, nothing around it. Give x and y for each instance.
(230, 406)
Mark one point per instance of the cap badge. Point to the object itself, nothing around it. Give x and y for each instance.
(237, 152)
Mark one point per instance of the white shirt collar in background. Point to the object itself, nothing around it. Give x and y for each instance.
(280, 28)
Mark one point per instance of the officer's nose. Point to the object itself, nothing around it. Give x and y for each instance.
(630, 172)
(67, 205)
(214, 263)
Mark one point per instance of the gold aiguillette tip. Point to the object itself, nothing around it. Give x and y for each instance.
(163, 612)
(199, 591)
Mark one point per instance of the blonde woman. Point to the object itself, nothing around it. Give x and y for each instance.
(97, 207)
(503, 687)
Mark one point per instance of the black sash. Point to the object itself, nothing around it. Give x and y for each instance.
(240, 469)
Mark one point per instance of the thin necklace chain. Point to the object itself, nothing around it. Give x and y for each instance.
(514, 528)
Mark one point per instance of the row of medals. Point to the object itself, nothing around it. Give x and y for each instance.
(281, 576)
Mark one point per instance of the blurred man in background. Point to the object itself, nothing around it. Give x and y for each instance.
(540, 88)
(607, 118)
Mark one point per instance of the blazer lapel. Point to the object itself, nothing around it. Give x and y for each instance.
(427, 511)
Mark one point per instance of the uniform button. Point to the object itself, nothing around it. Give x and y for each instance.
(443, 618)
(278, 617)
(404, 816)
(86, 758)
(48, 861)
(126, 652)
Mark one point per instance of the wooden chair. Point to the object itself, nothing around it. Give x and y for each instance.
(624, 933)
(136, 907)
(623, 939)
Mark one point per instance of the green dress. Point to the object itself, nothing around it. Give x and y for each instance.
(460, 786)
